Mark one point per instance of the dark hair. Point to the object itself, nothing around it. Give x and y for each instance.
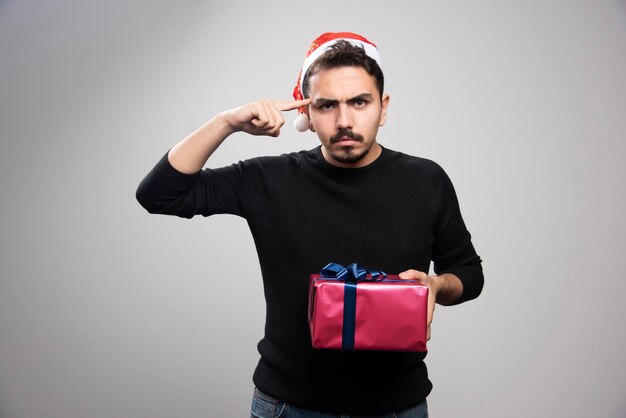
(345, 54)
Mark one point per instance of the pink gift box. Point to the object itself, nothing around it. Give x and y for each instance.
(388, 315)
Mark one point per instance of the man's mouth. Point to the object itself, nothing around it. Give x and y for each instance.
(345, 141)
(346, 138)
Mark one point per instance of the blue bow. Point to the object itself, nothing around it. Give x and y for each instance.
(351, 275)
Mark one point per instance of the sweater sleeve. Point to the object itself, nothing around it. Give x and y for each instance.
(453, 251)
(167, 191)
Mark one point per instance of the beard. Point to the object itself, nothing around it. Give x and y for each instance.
(347, 154)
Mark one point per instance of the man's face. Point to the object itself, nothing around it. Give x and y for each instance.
(346, 112)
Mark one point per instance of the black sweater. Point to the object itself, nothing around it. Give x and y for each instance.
(399, 212)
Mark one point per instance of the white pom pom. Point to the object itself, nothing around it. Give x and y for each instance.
(301, 123)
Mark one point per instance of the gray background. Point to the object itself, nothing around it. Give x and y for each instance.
(106, 311)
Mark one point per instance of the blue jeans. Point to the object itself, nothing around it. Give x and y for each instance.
(264, 406)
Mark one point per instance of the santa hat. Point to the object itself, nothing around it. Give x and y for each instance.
(317, 48)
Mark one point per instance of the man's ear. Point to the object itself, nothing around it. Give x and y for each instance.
(383, 110)
(308, 116)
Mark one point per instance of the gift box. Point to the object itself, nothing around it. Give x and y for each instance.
(351, 308)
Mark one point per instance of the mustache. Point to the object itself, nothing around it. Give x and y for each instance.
(345, 133)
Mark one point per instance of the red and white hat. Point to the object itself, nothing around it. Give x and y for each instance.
(317, 48)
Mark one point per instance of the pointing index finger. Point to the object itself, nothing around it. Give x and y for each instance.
(292, 105)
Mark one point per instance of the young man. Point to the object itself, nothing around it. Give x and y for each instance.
(349, 199)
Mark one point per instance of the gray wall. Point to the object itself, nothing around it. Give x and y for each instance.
(106, 311)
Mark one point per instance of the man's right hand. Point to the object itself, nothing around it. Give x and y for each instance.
(260, 118)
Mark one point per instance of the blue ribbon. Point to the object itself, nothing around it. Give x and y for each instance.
(351, 275)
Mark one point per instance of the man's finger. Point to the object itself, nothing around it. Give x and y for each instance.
(413, 275)
(431, 307)
(286, 106)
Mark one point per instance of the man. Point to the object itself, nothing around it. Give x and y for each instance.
(349, 199)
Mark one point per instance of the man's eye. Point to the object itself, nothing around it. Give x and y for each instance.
(327, 106)
(360, 103)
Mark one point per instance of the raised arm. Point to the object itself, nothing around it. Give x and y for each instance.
(262, 118)
(175, 186)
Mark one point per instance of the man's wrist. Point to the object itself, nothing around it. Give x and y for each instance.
(448, 288)
(222, 125)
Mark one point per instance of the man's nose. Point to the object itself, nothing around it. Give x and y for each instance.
(344, 118)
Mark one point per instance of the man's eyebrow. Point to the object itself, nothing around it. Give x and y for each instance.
(362, 96)
(322, 100)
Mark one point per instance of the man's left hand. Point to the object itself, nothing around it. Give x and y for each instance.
(431, 283)
(445, 289)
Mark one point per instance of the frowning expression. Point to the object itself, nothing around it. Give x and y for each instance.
(346, 111)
